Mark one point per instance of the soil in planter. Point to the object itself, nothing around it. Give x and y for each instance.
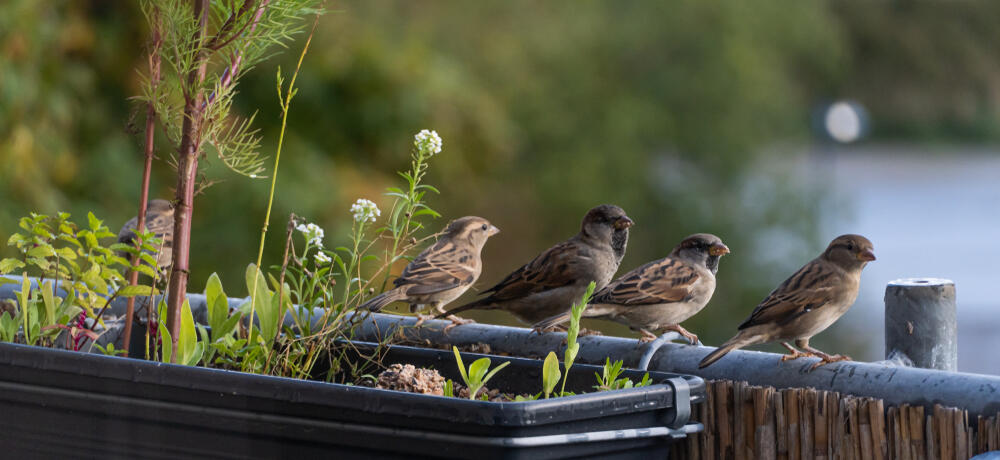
(411, 379)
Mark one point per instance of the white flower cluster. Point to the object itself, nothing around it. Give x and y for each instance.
(313, 233)
(322, 258)
(365, 210)
(427, 142)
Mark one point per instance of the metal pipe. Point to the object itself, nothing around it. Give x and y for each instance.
(920, 323)
(979, 394)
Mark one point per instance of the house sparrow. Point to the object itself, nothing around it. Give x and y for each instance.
(661, 294)
(442, 272)
(549, 284)
(159, 220)
(806, 303)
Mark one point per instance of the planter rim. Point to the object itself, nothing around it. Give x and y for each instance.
(225, 385)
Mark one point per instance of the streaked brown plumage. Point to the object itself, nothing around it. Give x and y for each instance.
(159, 220)
(806, 303)
(442, 272)
(659, 295)
(552, 281)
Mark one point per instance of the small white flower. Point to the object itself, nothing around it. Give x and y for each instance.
(322, 258)
(427, 142)
(365, 210)
(312, 232)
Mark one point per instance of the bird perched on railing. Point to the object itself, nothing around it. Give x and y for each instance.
(442, 272)
(806, 303)
(552, 281)
(661, 294)
(160, 221)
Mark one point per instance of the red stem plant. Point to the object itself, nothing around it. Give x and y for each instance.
(206, 46)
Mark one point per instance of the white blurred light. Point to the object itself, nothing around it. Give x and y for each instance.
(843, 122)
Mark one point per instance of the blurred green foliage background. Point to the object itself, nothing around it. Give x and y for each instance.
(680, 112)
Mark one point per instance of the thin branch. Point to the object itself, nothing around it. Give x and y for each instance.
(154, 80)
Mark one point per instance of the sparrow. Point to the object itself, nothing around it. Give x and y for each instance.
(661, 294)
(552, 281)
(442, 272)
(160, 221)
(806, 303)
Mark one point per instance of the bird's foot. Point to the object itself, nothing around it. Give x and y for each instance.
(827, 359)
(456, 321)
(647, 337)
(689, 336)
(796, 354)
(421, 319)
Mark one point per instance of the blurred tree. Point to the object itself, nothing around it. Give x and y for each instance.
(684, 113)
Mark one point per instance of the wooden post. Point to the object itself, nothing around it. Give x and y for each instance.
(920, 323)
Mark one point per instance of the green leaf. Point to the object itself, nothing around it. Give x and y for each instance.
(550, 373)
(137, 290)
(92, 278)
(478, 369)
(461, 366)
(494, 372)
(9, 265)
(93, 221)
(216, 302)
(42, 251)
(49, 301)
(66, 253)
(187, 336)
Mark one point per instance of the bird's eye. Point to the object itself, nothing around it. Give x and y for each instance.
(850, 246)
(484, 227)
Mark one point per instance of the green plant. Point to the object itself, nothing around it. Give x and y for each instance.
(222, 324)
(189, 348)
(609, 379)
(449, 388)
(550, 374)
(72, 258)
(478, 374)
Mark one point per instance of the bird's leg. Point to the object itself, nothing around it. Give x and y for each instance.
(793, 353)
(420, 318)
(646, 336)
(455, 320)
(824, 357)
(691, 338)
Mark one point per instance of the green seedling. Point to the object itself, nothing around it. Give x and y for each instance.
(610, 381)
(478, 374)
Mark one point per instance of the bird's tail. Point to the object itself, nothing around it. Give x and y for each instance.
(741, 340)
(551, 322)
(481, 303)
(380, 301)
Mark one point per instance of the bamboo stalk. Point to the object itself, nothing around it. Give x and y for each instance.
(722, 404)
(780, 425)
(865, 428)
(916, 424)
(764, 442)
(930, 434)
(821, 445)
(808, 408)
(792, 407)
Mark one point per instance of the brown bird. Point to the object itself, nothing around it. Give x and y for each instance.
(442, 272)
(806, 303)
(160, 221)
(659, 295)
(551, 282)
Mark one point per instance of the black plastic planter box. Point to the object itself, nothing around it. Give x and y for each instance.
(56, 403)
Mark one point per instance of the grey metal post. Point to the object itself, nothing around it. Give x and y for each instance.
(920, 324)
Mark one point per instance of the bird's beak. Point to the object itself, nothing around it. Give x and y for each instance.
(623, 223)
(493, 230)
(866, 255)
(718, 250)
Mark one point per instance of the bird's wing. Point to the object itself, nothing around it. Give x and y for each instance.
(811, 287)
(658, 282)
(440, 267)
(560, 265)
